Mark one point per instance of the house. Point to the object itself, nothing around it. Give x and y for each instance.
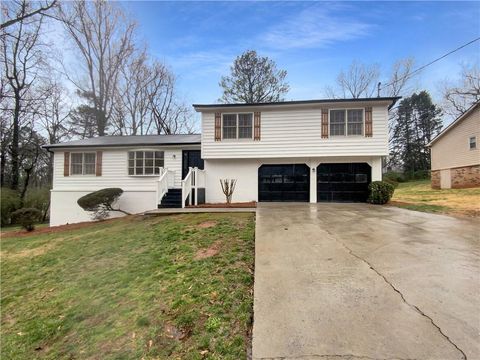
(314, 150)
(455, 152)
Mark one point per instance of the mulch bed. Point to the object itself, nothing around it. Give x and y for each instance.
(251, 204)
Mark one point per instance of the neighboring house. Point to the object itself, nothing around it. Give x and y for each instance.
(455, 153)
(316, 150)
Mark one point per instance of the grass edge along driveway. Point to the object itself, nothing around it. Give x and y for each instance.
(419, 196)
(161, 287)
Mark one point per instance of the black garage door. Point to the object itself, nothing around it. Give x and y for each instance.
(284, 182)
(343, 182)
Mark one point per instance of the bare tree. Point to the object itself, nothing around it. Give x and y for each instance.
(360, 80)
(460, 96)
(22, 60)
(53, 116)
(254, 79)
(228, 187)
(24, 10)
(102, 35)
(399, 78)
(168, 114)
(133, 101)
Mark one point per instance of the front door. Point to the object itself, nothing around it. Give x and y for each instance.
(191, 158)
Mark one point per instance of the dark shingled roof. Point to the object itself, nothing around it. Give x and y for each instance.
(392, 100)
(131, 140)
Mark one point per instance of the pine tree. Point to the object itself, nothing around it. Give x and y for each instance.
(417, 122)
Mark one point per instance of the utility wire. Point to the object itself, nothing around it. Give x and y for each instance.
(430, 63)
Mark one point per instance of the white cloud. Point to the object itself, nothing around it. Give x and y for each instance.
(315, 27)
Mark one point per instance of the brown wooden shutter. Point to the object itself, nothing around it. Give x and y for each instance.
(324, 123)
(218, 126)
(66, 163)
(368, 122)
(256, 126)
(98, 163)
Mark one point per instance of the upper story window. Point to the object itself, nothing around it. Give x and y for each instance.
(237, 126)
(145, 162)
(473, 142)
(346, 122)
(82, 163)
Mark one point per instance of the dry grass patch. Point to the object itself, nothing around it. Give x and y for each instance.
(418, 195)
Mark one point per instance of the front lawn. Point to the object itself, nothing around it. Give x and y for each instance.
(418, 195)
(132, 288)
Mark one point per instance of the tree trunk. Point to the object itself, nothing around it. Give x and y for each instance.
(14, 147)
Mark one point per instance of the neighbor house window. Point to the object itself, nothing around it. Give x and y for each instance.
(473, 142)
(346, 122)
(82, 163)
(237, 126)
(145, 162)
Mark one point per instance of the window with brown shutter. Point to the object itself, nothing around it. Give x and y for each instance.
(218, 126)
(256, 126)
(324, 123)
(66, 163)
(98, 164)
(368, 122)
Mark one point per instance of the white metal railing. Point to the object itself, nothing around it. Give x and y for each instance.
(187, 187)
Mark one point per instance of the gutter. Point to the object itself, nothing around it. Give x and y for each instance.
(65, 146)
(200, 107)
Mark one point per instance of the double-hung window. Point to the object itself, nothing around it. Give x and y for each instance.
(82, 163)
(346, 122)
(145, 162)
(237, 126)
(472, 142)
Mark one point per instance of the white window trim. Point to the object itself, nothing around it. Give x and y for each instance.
(236, 122)
(346, 122)
(83, 163)
(143, 166)
(470, 138)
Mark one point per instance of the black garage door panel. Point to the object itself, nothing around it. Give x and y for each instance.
(284, 182)
(343, 182)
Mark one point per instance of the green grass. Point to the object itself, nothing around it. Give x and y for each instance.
(130, 289)
(418, 195)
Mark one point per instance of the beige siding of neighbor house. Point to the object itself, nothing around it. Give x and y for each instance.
(452, 150)
(288, 132)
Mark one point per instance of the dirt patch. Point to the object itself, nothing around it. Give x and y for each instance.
(251, 204)
(207, 224)
(212, 250)
(173, 332)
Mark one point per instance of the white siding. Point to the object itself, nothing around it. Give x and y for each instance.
(115, 172)
(65, 210)
(245, 171)
(452, 149)
(296, 132)
(140, 192)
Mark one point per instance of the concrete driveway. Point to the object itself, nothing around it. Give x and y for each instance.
(358, 281)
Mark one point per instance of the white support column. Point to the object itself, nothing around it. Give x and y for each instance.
(313, 181)
(376, 164)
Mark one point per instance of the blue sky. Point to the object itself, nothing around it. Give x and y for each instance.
(313, 41)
